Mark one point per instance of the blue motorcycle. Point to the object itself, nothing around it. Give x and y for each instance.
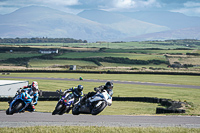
(20, 103)
(64, 104)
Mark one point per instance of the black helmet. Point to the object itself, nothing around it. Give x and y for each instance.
(80, 88)
(109, 85)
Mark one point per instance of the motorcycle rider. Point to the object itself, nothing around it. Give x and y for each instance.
(32, 90)
(76, 91)
(108, 87)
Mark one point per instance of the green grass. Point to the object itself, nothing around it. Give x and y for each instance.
(124, 55)
(122, 45)
(117, 108)
(94, 129)
(38, 63)
(126, 45)
(120, 65)
(131, 50)
(5, 56)
(145, 51)
(170, 79)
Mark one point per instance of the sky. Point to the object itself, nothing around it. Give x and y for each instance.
(187, 7)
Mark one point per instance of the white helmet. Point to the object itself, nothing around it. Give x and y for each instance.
(34, 86)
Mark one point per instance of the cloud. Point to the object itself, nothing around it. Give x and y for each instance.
(189, 8)
(120, 5)
(192, 4)
(135, 3)
(124, 3)
(58, 2)
(8, 6)
(188, 12)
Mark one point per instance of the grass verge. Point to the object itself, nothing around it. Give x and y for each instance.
(94, 129)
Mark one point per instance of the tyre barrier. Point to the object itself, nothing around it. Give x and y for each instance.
(171, 106)
(138, 99)
(166, 110)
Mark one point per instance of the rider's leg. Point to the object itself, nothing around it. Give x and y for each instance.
(32, 106)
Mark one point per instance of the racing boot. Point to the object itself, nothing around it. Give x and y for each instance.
(33, 107)
(9, 102)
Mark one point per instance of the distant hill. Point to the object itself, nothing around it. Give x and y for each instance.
(36, 21)
(98, 25)
(172, 20)
(185, 33)
(124, 24)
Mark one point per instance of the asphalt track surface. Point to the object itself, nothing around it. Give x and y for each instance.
(47, 119)
(114, 81)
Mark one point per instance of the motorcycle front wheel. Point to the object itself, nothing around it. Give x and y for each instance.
(66, 109)
(75, 110)
(58, 109)
(97, 109)
(15, 108)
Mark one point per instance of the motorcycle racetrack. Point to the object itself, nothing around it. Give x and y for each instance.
(47, 119)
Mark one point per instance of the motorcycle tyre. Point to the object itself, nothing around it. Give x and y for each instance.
(100, 108)
(75, 110)
(57, 109)
(63, 110)
(16, 108)
(7, 112)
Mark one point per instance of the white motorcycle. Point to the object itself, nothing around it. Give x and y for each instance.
(93, 105)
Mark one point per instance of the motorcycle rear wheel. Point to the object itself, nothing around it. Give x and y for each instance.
(97, 110)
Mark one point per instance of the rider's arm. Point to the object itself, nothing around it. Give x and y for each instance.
(97, 89)
(18, 91)
(36, 95)
(28, 86)
(25, 89)
(66, 91)
(81, 96)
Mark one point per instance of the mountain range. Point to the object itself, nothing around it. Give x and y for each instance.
(98, 25)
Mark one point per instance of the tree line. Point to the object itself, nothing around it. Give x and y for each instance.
(41, 40)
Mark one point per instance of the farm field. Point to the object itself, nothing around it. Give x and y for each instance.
(5, 56)
(119, 45)
(124, 55)
(82, 59)
(41, 63)
(182, 55)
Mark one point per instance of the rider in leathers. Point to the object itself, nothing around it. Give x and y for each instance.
(32, 91)
(108, 87)
(77, 92)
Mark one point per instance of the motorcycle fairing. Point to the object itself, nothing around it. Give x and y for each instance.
(21, 97)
